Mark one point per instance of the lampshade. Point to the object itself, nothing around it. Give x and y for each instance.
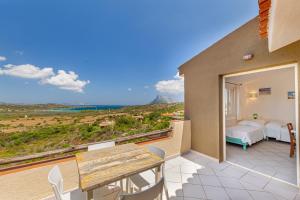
(252, 95)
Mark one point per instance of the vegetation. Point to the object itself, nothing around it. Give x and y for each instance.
(26, 130)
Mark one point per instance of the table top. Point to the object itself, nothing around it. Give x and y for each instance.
(101, 167)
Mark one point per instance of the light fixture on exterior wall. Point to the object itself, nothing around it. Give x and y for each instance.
(252, 95)
(248, 56)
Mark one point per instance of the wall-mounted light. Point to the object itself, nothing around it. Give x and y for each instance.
(248, 56)
(252, 95)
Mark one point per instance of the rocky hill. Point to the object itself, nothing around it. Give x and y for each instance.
(159, 99)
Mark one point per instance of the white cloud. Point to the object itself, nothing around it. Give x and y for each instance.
(26, 71)
(66, 81)
(146, 86)
(173, 87)
(2, 58)
(62, 79)
(129, 89)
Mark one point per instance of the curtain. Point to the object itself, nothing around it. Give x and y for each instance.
(231, 97)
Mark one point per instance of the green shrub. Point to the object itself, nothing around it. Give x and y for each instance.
(162, 125)
(125, 123)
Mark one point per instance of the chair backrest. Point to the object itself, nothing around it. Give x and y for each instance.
(157, 151)
(101, 145)
(292, 134)
(149, 194)
(56, 181)
(160, 153)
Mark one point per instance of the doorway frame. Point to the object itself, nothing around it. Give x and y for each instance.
(292, 65)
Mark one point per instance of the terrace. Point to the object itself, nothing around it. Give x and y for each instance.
(189, 175)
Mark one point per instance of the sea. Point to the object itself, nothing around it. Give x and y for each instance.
(80, 108)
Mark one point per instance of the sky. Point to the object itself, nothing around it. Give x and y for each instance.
(112, 52)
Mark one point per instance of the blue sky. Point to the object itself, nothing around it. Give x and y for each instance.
(118, 52)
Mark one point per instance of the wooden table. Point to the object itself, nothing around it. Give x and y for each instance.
(102, 167)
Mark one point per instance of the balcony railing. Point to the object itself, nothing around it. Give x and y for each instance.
(38, 158)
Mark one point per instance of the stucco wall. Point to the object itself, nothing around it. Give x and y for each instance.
(203, 80)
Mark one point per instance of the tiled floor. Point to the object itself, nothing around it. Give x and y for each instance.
(268, 157)
(193, 177)
(189, 177)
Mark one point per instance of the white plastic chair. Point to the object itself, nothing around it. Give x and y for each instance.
(154, 192)
(56, 180)
(101, 145)
(138, 181)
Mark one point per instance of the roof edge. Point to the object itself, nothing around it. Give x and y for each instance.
(180, 68)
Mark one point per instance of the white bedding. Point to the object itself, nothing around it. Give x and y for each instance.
(284, 134)
(277, 130)
(273, 130)
(248, 132)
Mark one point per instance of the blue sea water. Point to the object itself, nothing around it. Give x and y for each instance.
(79, 108)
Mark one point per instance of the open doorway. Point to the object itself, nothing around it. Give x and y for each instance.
(257, 107)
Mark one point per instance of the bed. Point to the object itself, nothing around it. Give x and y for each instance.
(277, 130)
(246, 133)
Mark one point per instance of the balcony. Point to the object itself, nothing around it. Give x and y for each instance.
(189, 175)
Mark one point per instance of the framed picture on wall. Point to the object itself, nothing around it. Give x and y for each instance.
(264, 91)
(291, 95)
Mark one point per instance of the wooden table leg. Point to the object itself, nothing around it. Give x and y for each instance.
(157, 174)
(90, 195)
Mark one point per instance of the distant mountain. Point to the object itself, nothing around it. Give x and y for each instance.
(159, 99)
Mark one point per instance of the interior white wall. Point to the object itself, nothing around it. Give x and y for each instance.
(269, 107)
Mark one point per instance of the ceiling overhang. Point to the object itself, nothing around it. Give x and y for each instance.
(279, 22)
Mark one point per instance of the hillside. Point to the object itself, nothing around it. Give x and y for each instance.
(159, 99)
(26, 129)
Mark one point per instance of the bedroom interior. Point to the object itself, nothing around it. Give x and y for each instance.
(257, 107)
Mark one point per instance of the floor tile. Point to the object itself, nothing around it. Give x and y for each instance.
(297, 197)
(256, 179)
(215, 193)
(218, 166)
(206, 171)
(172, 168)
(267, 157)
(232, 172)
(256, 195)
(249, 186)
(282, 189)
(174, 189)
(236, 194)
(286, 177)
(268, 170)
(209, 180)
(188, 169)
(149, 176)
(231, 183)
(173, 177)
(195, 191)
(190, 178)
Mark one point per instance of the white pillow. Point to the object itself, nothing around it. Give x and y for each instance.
(260, 121)
(255, 123)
